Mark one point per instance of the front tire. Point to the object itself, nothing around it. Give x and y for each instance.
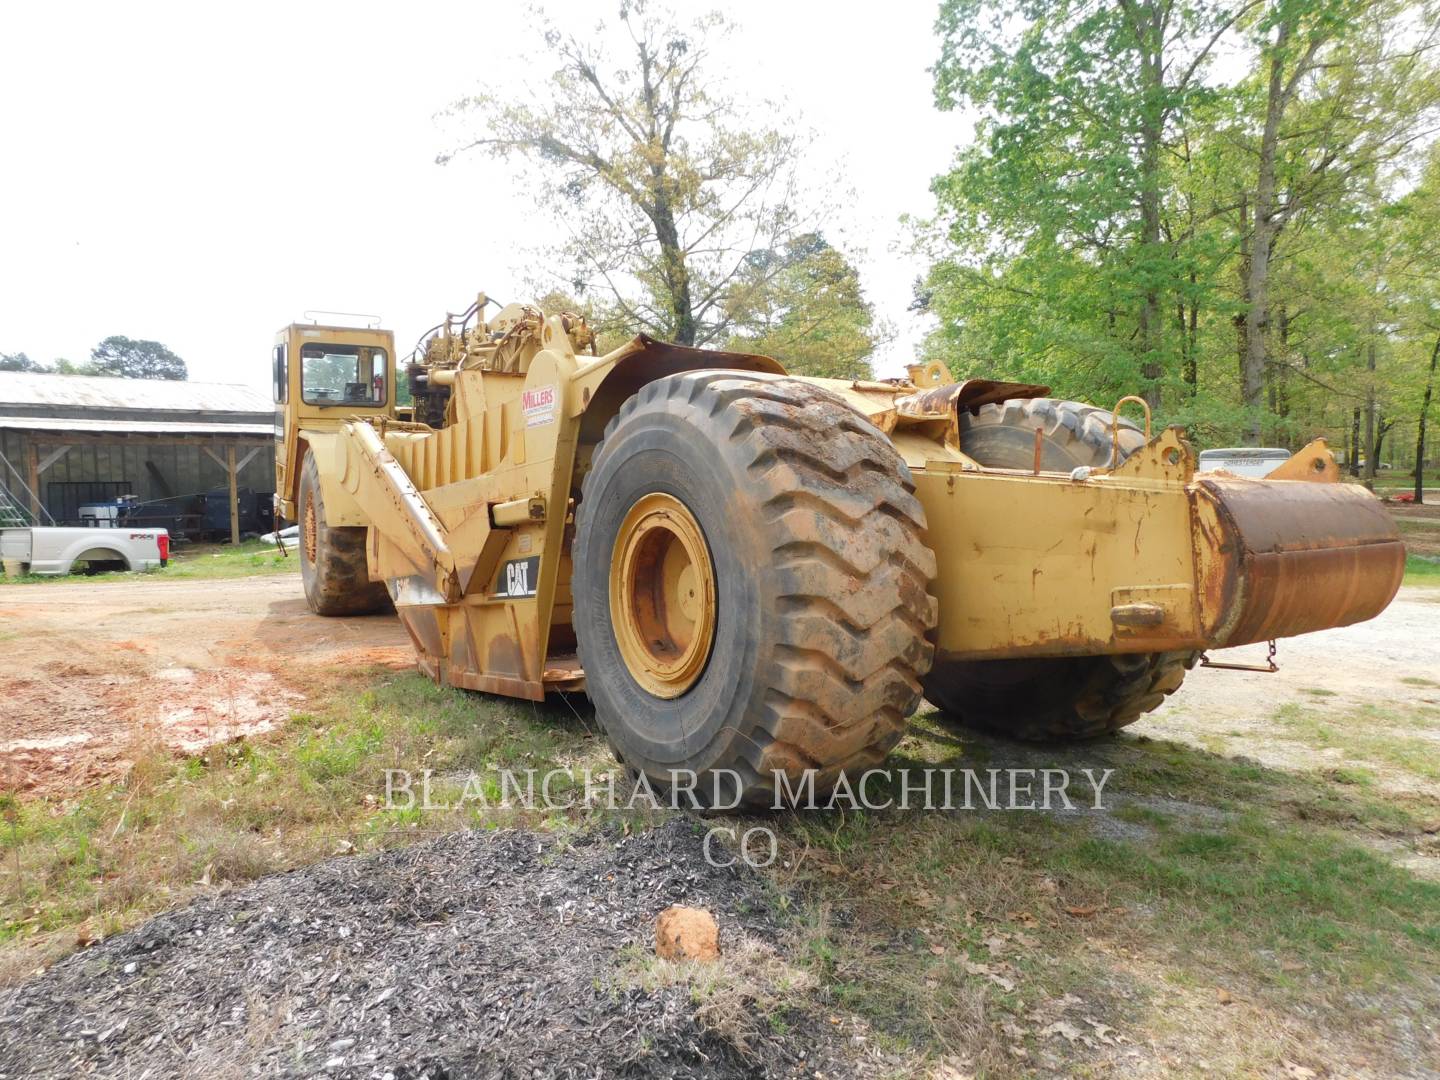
(797, 519)
(332, 557)
(1052, 698)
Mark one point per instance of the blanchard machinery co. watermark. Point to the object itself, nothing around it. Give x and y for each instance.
(719, 790)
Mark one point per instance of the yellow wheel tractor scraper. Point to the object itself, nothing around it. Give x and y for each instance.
(749, 571)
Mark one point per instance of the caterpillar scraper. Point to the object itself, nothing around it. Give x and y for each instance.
(751, 572)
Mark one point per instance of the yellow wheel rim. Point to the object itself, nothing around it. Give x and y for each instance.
(662, 595)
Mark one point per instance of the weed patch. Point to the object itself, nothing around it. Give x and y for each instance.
(104, 860)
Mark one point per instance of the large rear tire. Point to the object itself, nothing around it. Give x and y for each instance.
(332, 557)
(1055, 698)
(786, 528)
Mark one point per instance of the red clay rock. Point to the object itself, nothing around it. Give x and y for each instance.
(685, 933)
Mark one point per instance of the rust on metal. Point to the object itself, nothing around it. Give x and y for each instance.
(1286, 559)
(1138, 614)
(944, 401)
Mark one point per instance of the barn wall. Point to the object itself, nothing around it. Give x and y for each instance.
(15, 447)
(185, 470)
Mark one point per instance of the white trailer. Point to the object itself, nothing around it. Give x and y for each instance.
(55, 550)
(1255, 462)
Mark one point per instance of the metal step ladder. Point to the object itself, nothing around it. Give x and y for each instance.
(14, 513)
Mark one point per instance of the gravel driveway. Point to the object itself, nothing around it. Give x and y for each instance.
(474, 955)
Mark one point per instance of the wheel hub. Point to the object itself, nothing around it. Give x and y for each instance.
(662, 595)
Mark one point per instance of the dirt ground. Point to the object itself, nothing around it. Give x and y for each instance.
(1381, 665)
(101, 669)
(97, 671)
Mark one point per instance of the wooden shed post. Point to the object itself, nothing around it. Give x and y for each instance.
(234, 494)
(34, 471)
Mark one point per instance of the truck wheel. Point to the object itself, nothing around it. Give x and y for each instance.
(1051, 698)
(332, 557)
(751, 586)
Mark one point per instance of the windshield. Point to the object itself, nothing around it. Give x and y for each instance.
(343, 374)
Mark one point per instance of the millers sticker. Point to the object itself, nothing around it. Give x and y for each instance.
(538, 405)
(518, 577)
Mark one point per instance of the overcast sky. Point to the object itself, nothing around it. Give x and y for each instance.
(202, 174)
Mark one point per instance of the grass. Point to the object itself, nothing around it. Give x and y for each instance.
(1389, 737)
(748, 993)
(246, 559)
(950, 934)
(1396, 479)
(105, 860)
(944, 928)
(1420, 571)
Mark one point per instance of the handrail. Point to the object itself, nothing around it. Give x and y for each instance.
(1115, 426)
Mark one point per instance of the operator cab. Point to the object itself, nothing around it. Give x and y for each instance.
(323, 376)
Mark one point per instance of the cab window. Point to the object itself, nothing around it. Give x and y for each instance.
(282, 375)
(342, 374)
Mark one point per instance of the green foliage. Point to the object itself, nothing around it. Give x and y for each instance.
(1058, 253)
(129, 358)
(19, 362)
(806, 310)
(1127, 220)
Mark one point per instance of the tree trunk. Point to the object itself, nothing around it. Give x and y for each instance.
(1382, 428)
(1152, 44)
(1187, 349)
(1252, 375)
(1420, 427)
(1187, 317)
(1370, 462)
(1352, 459)
(677, 278)
(1192, 337)
(1280, 386)
(1243, 271)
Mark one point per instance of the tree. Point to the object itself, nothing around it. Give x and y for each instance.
(1417, 280)
(1127, 219)
(809, 312)
(665, 187)
(1424, 419)
(1347, 87)
(19, 362)
(1081, 103)
(135, 359)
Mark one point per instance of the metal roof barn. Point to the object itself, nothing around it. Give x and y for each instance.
(69, 440)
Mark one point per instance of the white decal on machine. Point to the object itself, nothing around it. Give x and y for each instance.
(538, 405)
(518, 578)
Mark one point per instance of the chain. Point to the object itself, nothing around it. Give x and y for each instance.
(1269, 667)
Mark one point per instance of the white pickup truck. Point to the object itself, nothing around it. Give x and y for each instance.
(56, 549)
